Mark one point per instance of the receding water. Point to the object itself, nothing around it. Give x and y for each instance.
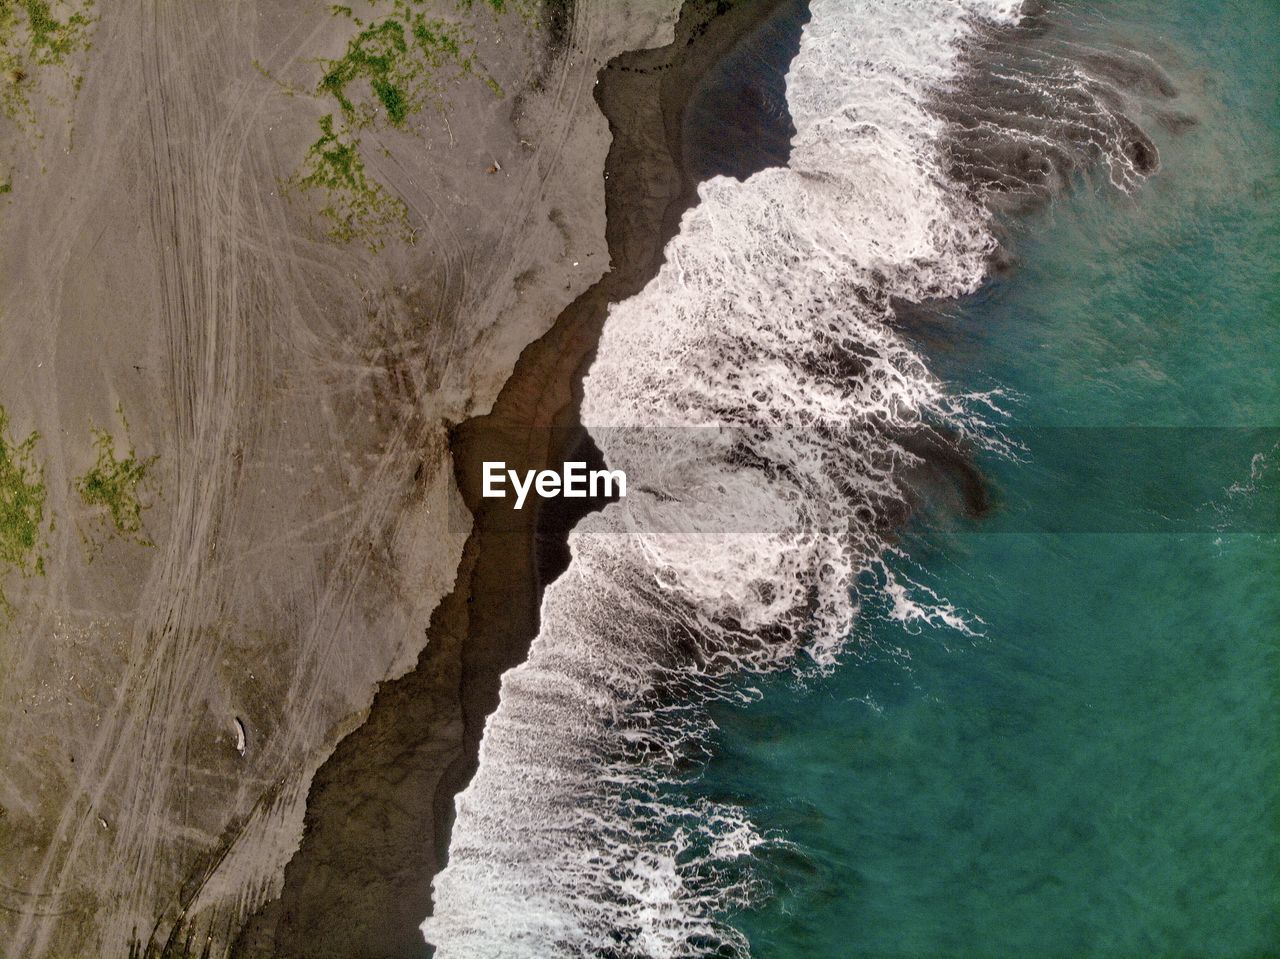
(1097, 772)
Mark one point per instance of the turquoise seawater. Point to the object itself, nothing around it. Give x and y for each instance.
(1097, 773)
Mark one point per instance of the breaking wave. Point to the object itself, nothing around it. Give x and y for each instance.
(758, 396)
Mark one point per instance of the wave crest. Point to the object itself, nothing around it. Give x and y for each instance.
(759, 388)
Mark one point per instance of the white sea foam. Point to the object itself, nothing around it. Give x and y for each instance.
(767, 341)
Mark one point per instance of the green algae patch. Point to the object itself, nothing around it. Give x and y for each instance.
(37, 37)
(390, 69)
(52, 40)
(22, 506)
(394, 67)
(357, 207)
(114, 486)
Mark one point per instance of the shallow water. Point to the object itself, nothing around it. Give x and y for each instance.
(1097, 773)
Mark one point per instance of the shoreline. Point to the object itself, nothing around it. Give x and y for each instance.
(291, 395)
(380, 809)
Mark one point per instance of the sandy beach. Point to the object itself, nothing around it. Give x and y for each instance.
(292, 397)
(379, 812)
(206, 711)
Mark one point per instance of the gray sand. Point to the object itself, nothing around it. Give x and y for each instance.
(380, 809)
(298, 395)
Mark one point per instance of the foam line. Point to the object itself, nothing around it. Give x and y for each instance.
(738, 551)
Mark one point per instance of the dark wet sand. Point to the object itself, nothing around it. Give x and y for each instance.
(380, 810)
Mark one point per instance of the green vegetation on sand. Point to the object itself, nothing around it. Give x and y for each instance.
(389, 67)
(393, 67)
(357, 207)
(22, 502)
(114, 486)
(36, 35)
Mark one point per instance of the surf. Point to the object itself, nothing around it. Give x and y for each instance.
(762, 401)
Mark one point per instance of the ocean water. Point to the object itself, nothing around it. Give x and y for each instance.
(1098, 772)
(760, 718)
